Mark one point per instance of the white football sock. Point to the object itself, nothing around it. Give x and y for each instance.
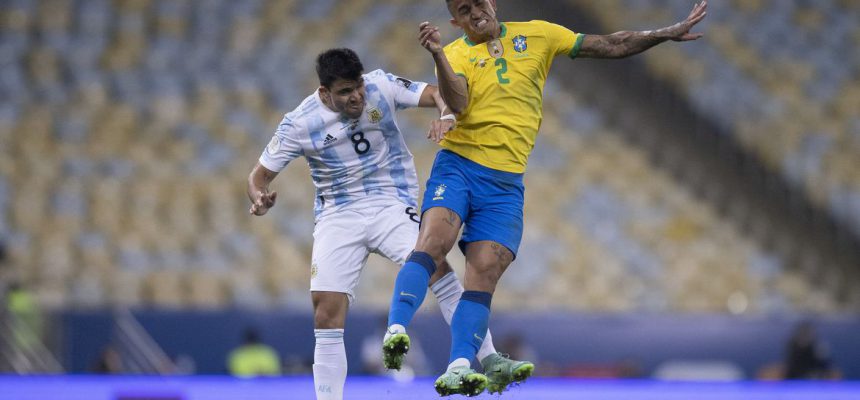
(329, 364)
(460, 362)
(448, 291)
(392, 330)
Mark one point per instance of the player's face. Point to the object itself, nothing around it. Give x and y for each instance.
(477, 18)
(346, 96)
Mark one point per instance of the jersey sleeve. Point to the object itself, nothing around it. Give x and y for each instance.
(458, 60)
(284, 146)
(562, 40)
(406, 93)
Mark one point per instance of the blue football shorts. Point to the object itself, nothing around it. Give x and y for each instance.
(488, 201)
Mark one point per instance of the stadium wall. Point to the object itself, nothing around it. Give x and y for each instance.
(565, 341)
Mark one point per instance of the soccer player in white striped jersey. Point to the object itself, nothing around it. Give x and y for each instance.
(366, 193)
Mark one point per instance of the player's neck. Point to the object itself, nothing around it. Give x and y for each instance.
(497, 33)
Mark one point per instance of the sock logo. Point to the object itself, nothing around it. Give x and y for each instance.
(480, 339)
(324, 389)
(402, 293)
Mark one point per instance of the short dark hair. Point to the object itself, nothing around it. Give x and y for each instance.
(336, 64)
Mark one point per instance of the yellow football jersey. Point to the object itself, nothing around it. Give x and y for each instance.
(506, 79)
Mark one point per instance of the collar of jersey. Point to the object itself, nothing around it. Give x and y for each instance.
(504, 31)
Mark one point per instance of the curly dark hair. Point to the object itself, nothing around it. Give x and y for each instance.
(338, 63)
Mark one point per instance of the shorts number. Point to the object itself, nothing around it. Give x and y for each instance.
(503, 67)
(413, 215)
(360, 144)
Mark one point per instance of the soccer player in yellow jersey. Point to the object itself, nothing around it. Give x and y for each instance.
(492, 78)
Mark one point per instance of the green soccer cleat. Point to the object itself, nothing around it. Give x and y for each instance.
(502, 371)
(461, 380)
(394, 348)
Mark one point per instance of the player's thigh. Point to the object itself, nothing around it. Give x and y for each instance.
(339, 254)
(394, 232)
(496, 215)
(444, 206)
(438, 232)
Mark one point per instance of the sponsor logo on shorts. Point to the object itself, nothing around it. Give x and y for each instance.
(440, 190)
(314, 270)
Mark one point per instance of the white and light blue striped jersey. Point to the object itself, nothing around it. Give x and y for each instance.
(351, 159)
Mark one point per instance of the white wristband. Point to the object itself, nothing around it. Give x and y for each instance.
(448, 117)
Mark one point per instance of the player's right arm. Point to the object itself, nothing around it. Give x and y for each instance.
(258, 189)
(452, 87)
(283, 148)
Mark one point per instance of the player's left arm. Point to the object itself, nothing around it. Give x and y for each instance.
(627, 43)
(431, 97)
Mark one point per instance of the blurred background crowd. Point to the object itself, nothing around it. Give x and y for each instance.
(714, 178)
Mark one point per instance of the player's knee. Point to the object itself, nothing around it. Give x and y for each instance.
(487, 271)
(436, 246)
(327, 319)
(329, 313)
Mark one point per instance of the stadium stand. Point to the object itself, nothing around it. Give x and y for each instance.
(128, 133)
(781, 78)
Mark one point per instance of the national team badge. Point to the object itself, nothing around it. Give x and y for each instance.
(495, 48)
(520, 44)
(374, 115)
(440, 190)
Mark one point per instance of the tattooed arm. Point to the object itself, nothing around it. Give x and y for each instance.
(627, 43)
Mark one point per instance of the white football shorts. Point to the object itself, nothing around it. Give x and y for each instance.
(345, 238)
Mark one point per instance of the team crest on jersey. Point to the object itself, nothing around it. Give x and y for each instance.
(520, 44)
(374, 115)
(440, 190)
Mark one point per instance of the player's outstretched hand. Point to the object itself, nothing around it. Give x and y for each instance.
(263, 201)
(429, 37)
(680, 32)
(438, 129)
